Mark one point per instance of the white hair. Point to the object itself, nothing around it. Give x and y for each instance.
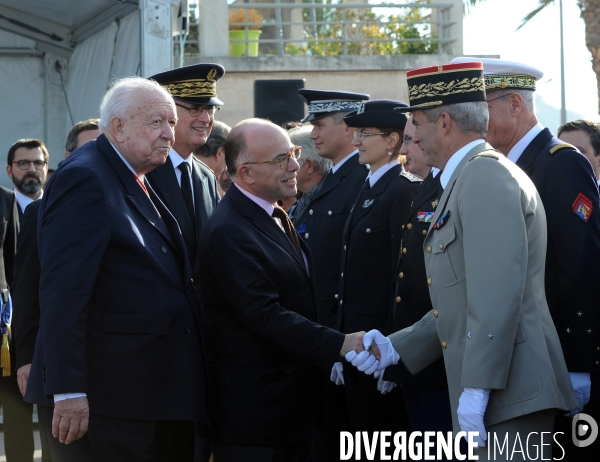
(117, 101)
(300, 136)
(472, 116)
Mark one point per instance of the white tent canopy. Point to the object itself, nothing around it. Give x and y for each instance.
(58, 57)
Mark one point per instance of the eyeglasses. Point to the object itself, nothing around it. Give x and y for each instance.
(196, 111)
(498, 97)
(24, 164)
(282, 160)
(407, 140)
(361, 135)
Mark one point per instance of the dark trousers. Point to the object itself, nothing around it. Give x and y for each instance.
(294, 452)
(17, 418)
(333, 418)
(428, 409)
(124, 440)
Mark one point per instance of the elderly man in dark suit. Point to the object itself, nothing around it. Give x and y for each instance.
(118, 353)
(263, 344)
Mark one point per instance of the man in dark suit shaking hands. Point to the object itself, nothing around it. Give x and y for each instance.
(118, 354)
(263, 345)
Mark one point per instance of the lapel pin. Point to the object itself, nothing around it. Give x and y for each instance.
(368, 203)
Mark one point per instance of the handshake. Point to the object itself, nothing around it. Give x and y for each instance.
(370, 353)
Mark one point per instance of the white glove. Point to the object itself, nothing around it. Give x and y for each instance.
(384, 386)
(337, 374)
(582, 384)
(363, 361)
(471, 408)
(389, 355)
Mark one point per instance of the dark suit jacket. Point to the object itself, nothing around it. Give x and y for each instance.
(322, 226)
(262, 342)
(372, 231)
(573, 254)
(411, 300)
(206, 197)
(9, 229)
(25, 290)
(118, 314)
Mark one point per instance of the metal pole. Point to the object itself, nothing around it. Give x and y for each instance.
(563, 105)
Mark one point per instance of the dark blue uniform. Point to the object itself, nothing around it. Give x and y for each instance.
(366, 284)
(322, 225)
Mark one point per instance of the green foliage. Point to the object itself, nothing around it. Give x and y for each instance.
(335, 26)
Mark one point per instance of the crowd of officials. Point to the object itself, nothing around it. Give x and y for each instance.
(182, 290)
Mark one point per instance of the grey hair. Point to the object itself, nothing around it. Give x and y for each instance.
(118, 100)
(527, 95)
(300, 136)
(472, 116)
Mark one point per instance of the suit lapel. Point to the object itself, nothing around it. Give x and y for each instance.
(525, 162)
(429, 189)
(334, 179)
(165, 183)
(448, 189)
(264, 223)
(370, 199)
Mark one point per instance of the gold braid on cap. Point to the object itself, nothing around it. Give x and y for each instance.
(454, 87)
(193, 88)
(501, 81)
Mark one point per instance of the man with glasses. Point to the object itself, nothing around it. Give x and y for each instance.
(261, 337)
(567, 185)
(187, 186)
(27, 168)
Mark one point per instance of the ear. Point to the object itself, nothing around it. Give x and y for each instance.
(245, 174)
(516, 102)
(220, 152)
(117, 127)
(310, 166)
(445, 123)
(9, 171)
(392, 141)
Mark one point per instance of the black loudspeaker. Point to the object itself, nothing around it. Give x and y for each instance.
(278, 100)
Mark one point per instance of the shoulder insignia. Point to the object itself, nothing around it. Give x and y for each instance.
(410, 176)
(198, 160)
(582, 207)
(558, 147)
(489, 155)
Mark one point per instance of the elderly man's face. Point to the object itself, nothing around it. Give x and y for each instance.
(146, 135)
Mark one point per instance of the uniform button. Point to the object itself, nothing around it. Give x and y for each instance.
(398, 299)
(441, 246)
(305, 235)
(444, 344)
(404, 250)
(344, 247)
(401, 275)
(336, 296)
(192, 280)
(164, 249)
(596, 363)
(409, 226)
(424, 232)
(342, 274)
(310, 212)
(429, 281)
(368, 230)
(329, 213)
(436, 313)
(428, 249)
(188, 330)
(402, 226)
(341, 302)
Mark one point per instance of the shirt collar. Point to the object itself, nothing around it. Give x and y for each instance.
(24, 200)
(518, 148)
(455, 160)
(176, 159)
(375, 177)
(435, 171)
(337, 166)
(263, 204)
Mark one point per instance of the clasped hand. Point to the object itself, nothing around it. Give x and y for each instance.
(377, 355)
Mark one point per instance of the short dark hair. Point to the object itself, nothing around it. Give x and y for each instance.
(587, 126)
(29, 143)
(218, 135)
(234, 147)
(72, 137)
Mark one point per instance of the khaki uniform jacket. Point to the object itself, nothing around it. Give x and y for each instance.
(490, 319)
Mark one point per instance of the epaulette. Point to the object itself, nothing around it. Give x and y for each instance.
(558, 147)
(489, 155)
(198, 160)
(410, 176)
